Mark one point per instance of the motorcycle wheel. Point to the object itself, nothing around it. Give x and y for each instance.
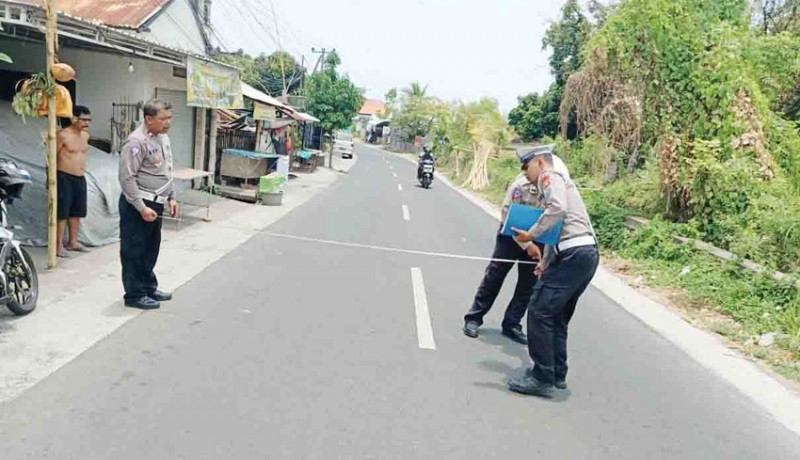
(26, 284)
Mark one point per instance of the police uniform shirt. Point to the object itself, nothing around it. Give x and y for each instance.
(521, 191)
(145, 166)
(561, 201)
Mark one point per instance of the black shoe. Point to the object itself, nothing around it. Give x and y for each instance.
(516, 335)
(144, 303)
(160, 296)
(561, 384)
(529, 385)
(471, 329)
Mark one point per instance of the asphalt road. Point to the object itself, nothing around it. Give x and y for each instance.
(293, 349)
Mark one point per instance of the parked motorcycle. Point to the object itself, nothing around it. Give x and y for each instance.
(19, 282)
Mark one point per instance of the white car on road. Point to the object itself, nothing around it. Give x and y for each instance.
(343, 144)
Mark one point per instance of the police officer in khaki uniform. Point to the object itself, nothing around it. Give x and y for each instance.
(564, 272)
(145, 173)
(521, 191)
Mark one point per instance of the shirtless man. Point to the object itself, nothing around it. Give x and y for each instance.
(73, 146)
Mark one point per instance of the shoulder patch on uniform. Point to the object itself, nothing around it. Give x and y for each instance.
(546, 182)
(134, 149)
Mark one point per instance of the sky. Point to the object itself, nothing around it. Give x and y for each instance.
(460, 49)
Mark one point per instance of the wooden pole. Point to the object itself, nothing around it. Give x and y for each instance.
(259, 133)
(52, 192)
(212, 145)
(200, 142)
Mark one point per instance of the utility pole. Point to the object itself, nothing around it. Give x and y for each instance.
(283, 74)
(323, 52)
(303, 76)
(282, 54)
(52, 193)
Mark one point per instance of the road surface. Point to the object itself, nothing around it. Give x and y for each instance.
(302, 349)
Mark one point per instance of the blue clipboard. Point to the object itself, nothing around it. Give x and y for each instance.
(524, 217)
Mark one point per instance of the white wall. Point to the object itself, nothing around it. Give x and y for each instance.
(102, 78)
(177, 26)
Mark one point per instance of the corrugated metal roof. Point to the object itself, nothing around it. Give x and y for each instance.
(308, 117)
(256, 95)
(130, 14)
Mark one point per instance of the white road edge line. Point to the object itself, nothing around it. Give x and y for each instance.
(406, 214)
(424, 328)
(395, 175)
(399, 188)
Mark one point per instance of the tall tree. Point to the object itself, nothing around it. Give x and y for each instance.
(268, 73)
(566, 38)
(777, 16)
(416, 90)
(416, 112)
(537, 115)
(332, 97)
(390, 102)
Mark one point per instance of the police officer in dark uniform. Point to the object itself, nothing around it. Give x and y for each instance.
(521, 191)
(145, 174)
(565, 272)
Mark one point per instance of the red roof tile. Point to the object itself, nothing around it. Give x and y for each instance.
(372, 107)
(130, 14)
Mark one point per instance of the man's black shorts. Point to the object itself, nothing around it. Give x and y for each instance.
(71, 196)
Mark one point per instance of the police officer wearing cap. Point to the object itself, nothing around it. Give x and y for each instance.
(521, 191)
(145, 174)
(565, 272)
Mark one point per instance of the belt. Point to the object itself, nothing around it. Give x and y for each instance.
(152, 197)
(587, 240)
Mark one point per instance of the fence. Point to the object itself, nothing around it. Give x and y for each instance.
(125, 117)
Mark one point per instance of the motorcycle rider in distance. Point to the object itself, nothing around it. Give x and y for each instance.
(426, 155)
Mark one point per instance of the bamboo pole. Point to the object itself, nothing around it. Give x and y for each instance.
(52, 192)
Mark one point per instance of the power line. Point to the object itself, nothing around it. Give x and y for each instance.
(262, 9)
(185, 33)
(201, 16)
(300, 42)
(243, 14)
(256, 10)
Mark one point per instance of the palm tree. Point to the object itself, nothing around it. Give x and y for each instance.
(416, 90)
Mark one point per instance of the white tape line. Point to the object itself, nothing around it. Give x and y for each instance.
(398, 250)
(395, 175)
(424, 328)
(399, 188)
(406, 214)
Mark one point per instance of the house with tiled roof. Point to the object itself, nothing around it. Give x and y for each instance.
(371, 114)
